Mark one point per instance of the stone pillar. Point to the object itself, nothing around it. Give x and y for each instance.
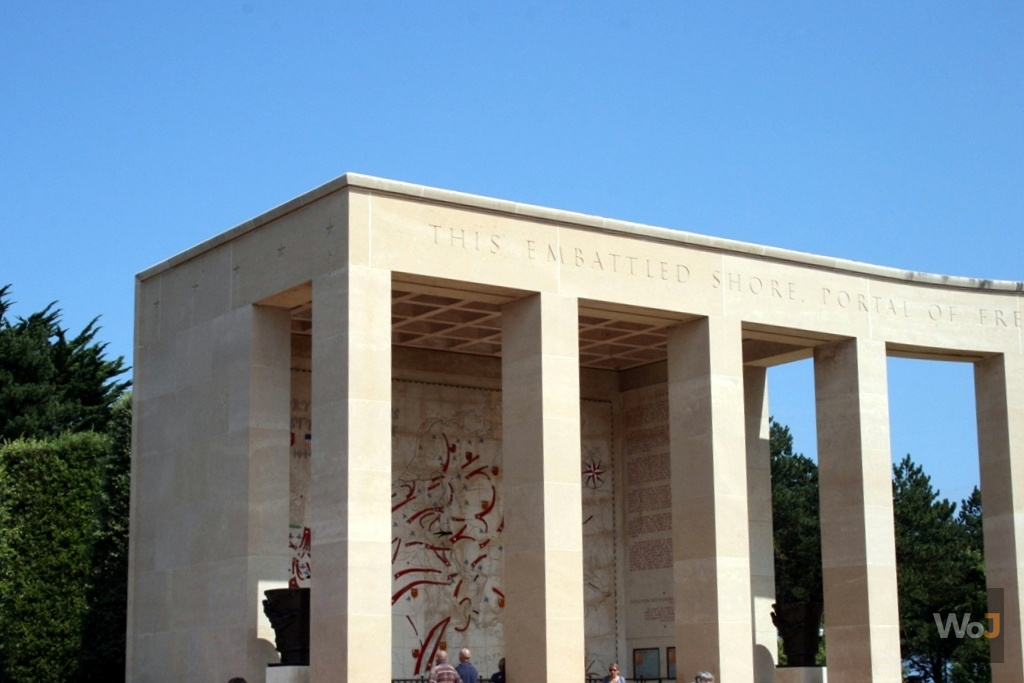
(350, 625)
(209, 524)
(266, 422)
(759, 501)
(999, 395)
(710, 546)
(543, 619)
(858, 544)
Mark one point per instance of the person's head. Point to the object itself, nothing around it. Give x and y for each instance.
(613, 669)
(237, 679)
(464, 654)
(442, 656)
(501, 665)
(704, 677)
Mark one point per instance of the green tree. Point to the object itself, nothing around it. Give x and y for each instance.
(50, 381)
(940, 571)
(103, 643)
(65, 425)
(973, 660)
(48, 492)
(939, 557)
(796, 519)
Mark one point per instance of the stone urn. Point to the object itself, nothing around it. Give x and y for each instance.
(799, 625)
(288, 612)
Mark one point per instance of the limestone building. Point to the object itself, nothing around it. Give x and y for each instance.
(467, 422)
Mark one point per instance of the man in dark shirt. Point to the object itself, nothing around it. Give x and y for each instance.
(466, 670)
(499, 675)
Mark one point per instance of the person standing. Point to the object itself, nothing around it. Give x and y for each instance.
(613, 674)
(444, 672)
(499, 675)
(467, 672)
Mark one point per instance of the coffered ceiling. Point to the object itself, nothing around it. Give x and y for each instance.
(444, 316)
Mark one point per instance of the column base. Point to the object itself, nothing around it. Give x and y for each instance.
(289, 674)
(798, 674)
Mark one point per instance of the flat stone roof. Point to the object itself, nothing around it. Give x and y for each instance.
(579, 220)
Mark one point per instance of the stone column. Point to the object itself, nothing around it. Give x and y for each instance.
(351, 477)
(543, 619)
(759, 501)
(858, 544)
(265, 422)
(209, 524)
(710, 546)
(999, 394)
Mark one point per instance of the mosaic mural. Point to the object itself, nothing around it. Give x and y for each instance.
(447, 523)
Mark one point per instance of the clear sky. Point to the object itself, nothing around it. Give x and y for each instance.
(889, 133)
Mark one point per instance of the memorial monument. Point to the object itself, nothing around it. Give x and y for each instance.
(467, 422)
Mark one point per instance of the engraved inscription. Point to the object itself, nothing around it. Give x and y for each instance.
(470, 240)
(649, 468)
(650, 524)
(730, 282)
(998, 318)
(609, 262)
(665, 614)
(738, 282)
(652, 554)
(649, 497)
(660, 610)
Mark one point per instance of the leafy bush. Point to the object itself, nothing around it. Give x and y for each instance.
(104, 638)
(48, 494)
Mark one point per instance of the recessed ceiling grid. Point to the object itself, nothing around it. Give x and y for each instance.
(451, 320)
(463, 325)
(620, 344)
(451, 323)
(445, 323)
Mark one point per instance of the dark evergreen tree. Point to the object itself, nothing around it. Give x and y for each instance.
(65, 451)
(939, 557)
(973, 659)
(103, 639)
(796, 519)
(939, 571)
(50, 381)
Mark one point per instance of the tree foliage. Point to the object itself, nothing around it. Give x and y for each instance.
(940, 569)
(65, 455)
(939, 560)
(796, 519)
(51, 381)
(48, 495)
(104, 642)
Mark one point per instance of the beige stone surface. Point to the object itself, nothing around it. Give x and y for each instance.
(289, 251)
(211, 426)
(188, 580)
(759, 504)
(709, 509)
(858, 546)
(288, 674)
(801, 674)
(544, 619)
(1000, 405)
(351, 475)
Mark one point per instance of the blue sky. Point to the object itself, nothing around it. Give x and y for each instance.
(890, 133)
